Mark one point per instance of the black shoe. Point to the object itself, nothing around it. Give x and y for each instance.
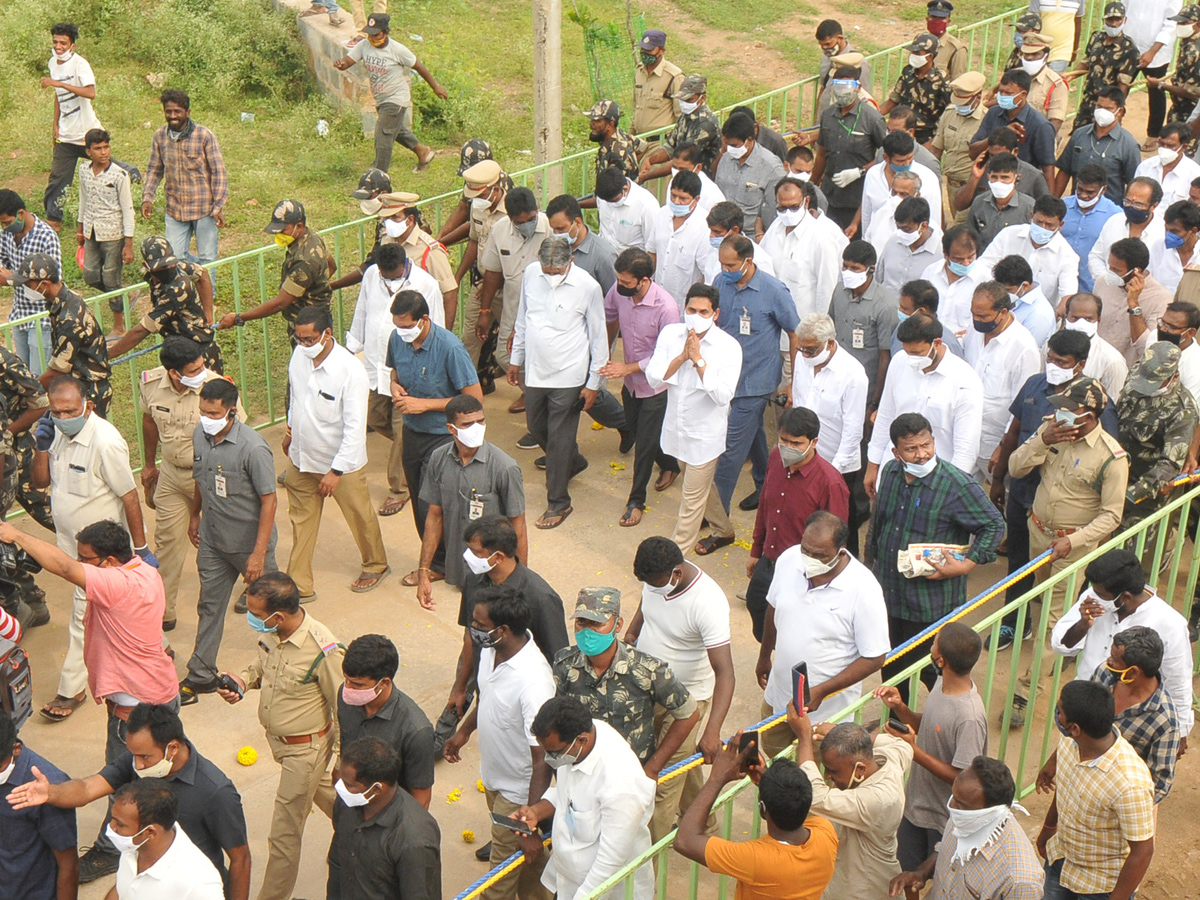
(577, 470)
(627, 441)
(484, 853)
(749, 502)
(540, 463)
(96, 864)
(528, 442)
(39, 613)
(1194, 622)
(168, 624)
(191, 689)
(487, 385)
(240, 606)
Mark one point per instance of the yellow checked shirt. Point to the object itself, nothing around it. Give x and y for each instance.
(175, 415)
(299, 679)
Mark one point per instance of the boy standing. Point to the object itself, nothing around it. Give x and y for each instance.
(105, 220)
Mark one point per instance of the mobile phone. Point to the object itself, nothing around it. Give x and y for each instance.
(577, 406)
(801, 696)
(226, 683)
(898, 726)
(748, 738)
(513, 824)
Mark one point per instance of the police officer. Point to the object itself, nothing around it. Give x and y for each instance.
(170, 400)
(76, 341)
(1048, 91)
(457, 224)
(922, 87)
(1031, 21)
(617, 147)
(299, 673)
(697, 125)
(656, 82)
(304, 277)
(1111, 58)
(956, 127)
(14, 603)
(952, 51)
(181, 303)
(484, 187)
(372, 183)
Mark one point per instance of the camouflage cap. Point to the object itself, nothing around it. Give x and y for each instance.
(596, 604)
(1188, 15)
(605, 109)
(374, 181)
(34, 268)
(1083, 391)
(157, 253)
(1159, 363)
(923, 43)
(473, 151)
(1029, 22)
(287, 212)
(692, 86)
(1114, 11)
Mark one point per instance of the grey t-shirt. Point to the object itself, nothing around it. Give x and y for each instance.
(954, 730)
(390, 69)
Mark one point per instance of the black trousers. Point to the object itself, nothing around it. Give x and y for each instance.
(417, 447)
(644, 417)
(756, 594)
(900, 630)
(62, 174)
(860, 508)
(1158, 101)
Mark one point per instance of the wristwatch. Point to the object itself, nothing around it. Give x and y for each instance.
(237, 321)
(700, 363)
(1134, 310)
(337, 472)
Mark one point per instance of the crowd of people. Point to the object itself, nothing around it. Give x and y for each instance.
(947, 353)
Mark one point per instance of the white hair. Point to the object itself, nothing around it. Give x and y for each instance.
(817, 327)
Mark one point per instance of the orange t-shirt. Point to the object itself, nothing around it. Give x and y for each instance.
(765, 869)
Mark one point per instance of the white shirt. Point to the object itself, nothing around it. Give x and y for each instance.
(510, 696)
(877, 192)
(828, 627)
(1114, 230)
(697, 417)
(1107, 365)
(1148, 23)
(630, 222)
(682, 628)
(75, 115)
(560, 335)
(182, 873)
(950, 397)
(1036, 313)
(710, 194)
(1055, 265)
(808, 260)
(679, 253)
(1175, 184)
(372, 326)
(1189, 369)
(1003, 365)
(954, 298)
(327, 412)
(1167, 267)
(712, 264)
(1156, 613)
(838, 395)
(899, 263)
(602, 808)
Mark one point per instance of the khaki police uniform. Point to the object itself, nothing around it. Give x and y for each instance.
(426, 252)
(1048, 95)
(952, 139)
(482, 223)
(654, 102)
(951, 56)
(299, 677)
(175, 416)
(510, 254)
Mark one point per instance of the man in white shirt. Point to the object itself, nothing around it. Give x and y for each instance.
(724, 219)
(808, 258)
(370, 331)
(688, 158)
(1004, 355)
(955, 278)
(158, 859)
(914, 246)
(1119, 598)
(1179, 247)
(700, 365)
(883, 222)
(1030, 306)
(898, 149)
(326, 444)
(1133, 300)
(928, 379)
(683, 619)
(678, 243)
(1055, 265)
(514, 682)
(826, 610)
(74, 86)
(601, 802)
(561, 339)
(1179, 325)
(1105, 362)
(626, 210)
(1170, 166)
(1141, 220)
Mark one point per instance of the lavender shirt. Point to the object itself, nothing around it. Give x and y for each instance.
(641, 324)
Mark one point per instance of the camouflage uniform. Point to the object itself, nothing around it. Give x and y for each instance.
(176, 311)
(77, 347)
(305, 275)
(1030, 21)
(699, 127)
(927, 96)
(622, 152)
(1187, 75)
(20, 392)
(1107, 63)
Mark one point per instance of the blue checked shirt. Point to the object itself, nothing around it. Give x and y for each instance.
(1152, 729)
(41, 239)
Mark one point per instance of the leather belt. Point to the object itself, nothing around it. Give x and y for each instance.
(304, 738)
(1050, 532)
(121, 712)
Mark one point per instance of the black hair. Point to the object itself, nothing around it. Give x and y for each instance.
(828, 28)
(164, 723)
(996, 779)
(8, 736)
(1156, 191)
(903, 112)
(390, 257)
(1188, 309)
(1185, 212)
(461, 405)
(688, 182)
(924, 295)
(1132, 252)
(495, 533)
(410, 303)
(1012, 270)
(699, 289)
(1119, 571)
(727, 215)
(373, 760)
(786, 794)
(222, 390)
(278, 592)
(11, 203)
(1002, 164)
(1003, 136)
(898, 143)
(738, 126)
(636, 262)
(800, 422)
(996, 293)
(806, 154)
(318, 316)
(610, 183)
(656, 556)
(960, 645)
(566, 717)
(564, 203)
(173, 95)
(909, 424)
(919, 328)
(69, 29)
(1090, 705)
(1068, 342)
(688, 151)
(1141, 647)
(739, 244)
(912, 209)
(505, 606)
(1181, 131)
(371, 656)
(860, 252)
(1085, 295)
(823, 519)
(1091, 173)
(96, 136)
(1113, 92)
(1049, 205)
(1019, 77)
(155, 802)
(520, 201)
(107, 538)
(957, 234)
(178, 352)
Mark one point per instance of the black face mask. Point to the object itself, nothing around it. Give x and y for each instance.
(1168, 337)
(595, 137)
(631, 291)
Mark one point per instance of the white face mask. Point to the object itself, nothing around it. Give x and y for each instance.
(790, 217)
(1001, 189)
(915, 60)
(815, 568)
(819, 360)
(471, 436)
(1087, 204)
(908, 238)
(6, 773)
(63, 57)
(975, 828)
(854, 280)
(478, 565)
(735, 152)
(1166, 155)
(1083, 326)
(395, 229)
(160, 769)
(1104, 117)
(917, 362)
(1033, 66)
(1057, 375)
(350, 799)
(195, 382)
(213, 426)
(1183, 30)
(1112, 279)
(664, 590)
(802, 176)
(312, 352)
(408, 335)
(697, 322)
(34, 295)
(121, 842)
(687, 107)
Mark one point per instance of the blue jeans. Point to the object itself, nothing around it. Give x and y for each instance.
(330, 5)
(1055, 891)
(25, 345)
(745, 438)
(180, 234)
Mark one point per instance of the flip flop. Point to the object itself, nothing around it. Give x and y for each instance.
(553, 518)
(410, 580)
(423, 164)
(665, 480)
(366, 576)
(67, 704)
(631, 512)
(392, 505)
(336, 22)
(711, 544)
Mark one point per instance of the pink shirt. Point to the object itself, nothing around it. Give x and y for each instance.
(122, 630)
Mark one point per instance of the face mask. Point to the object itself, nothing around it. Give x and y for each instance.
(732, 277)
(1104, 117)
(649, 60)
(353, 800)
(735, 152)
(916, 362)
(627, 291)
(313, 351)
(408, 335)
(481, 205)
(908, 238)
(1162, 390)
(477, 564)
(285, 240)
(819, 360)
(844, 96)
(790, 456)
(1040, 235)
(1173, 241)
(471, 436)
(6, 773)
(194, 381)
(121, 842)
(936, 27)
(561, 758)
(260, 625)
(593, 643)
(1066, 417)
(802, 176)
(71, 426)
(1083, 326)
(160, 769)
(985, 327)
(790, 217)
(714, 242)
(1033, 66)
(1087, 204)
(1166, 155)
(920, 470)
(1061, 728)
(902, 316)
(1006, 101)
(63, 57)
(1121, 673)
(687, 107)
(482, 638)
(915, 60)
(1135, 216)
(959, 269)
(526, 229)
(360, 696)
(971, 822)
(1018, 40)
(1168, 337)
(697, 322)
(1001, 189)
(965, 110)
(679, 210)
(1113, 279)
(16, 226)
(664, 590)
(854, 280)
(1114, 30)
(1057, 375)
(1183, 31)
(213, 426)
(815, 568)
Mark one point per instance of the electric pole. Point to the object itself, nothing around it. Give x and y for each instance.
(547, 90)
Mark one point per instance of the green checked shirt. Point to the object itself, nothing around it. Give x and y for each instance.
(945, 507)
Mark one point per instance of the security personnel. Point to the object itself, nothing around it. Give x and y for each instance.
(25, 401)
(299, 673)
(1031, 21)
(952, 51)
(956, 127)
(181, 304)
(170, 399)
(1185, 83)
(697, 125)
(304, 277)
(457, 224)
(922, 87)
(76, 340)
(13, 604)
(372, 183)
(1111, 58)
(402, 220)
(484, 187)
(656, 83)
(617, 147)
(1048, 92)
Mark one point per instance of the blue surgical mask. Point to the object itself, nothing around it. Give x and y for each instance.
(1004, 101)
(920, 470)
(1066, 417)
(715, 242)
(965, 110)
(71, 426)
(1060, 728)
(899, 170)
(901, 315)
(958, 268)
(1173, 241)
(679, 209)
(260, 625)
(593, 643)
(1018, 39)
(1040, 235)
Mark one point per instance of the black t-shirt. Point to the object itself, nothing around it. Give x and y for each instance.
(549, 625)
(399, 723)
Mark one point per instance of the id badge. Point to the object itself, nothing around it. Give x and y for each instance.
(476, 510)
(858, 339)
(744, 325)
(220, 482)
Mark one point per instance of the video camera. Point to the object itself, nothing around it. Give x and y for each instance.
(16, 683)
(13, 561)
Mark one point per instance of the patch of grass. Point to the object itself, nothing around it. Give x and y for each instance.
(744, 15)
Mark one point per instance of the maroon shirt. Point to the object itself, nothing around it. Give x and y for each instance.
(789, 497)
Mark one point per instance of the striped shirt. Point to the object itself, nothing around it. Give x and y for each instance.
(41, 239)
(1152, 729)
(10, 628)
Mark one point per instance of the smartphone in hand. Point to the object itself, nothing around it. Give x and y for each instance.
(748, 738)
(801, 696)
(512, 824)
